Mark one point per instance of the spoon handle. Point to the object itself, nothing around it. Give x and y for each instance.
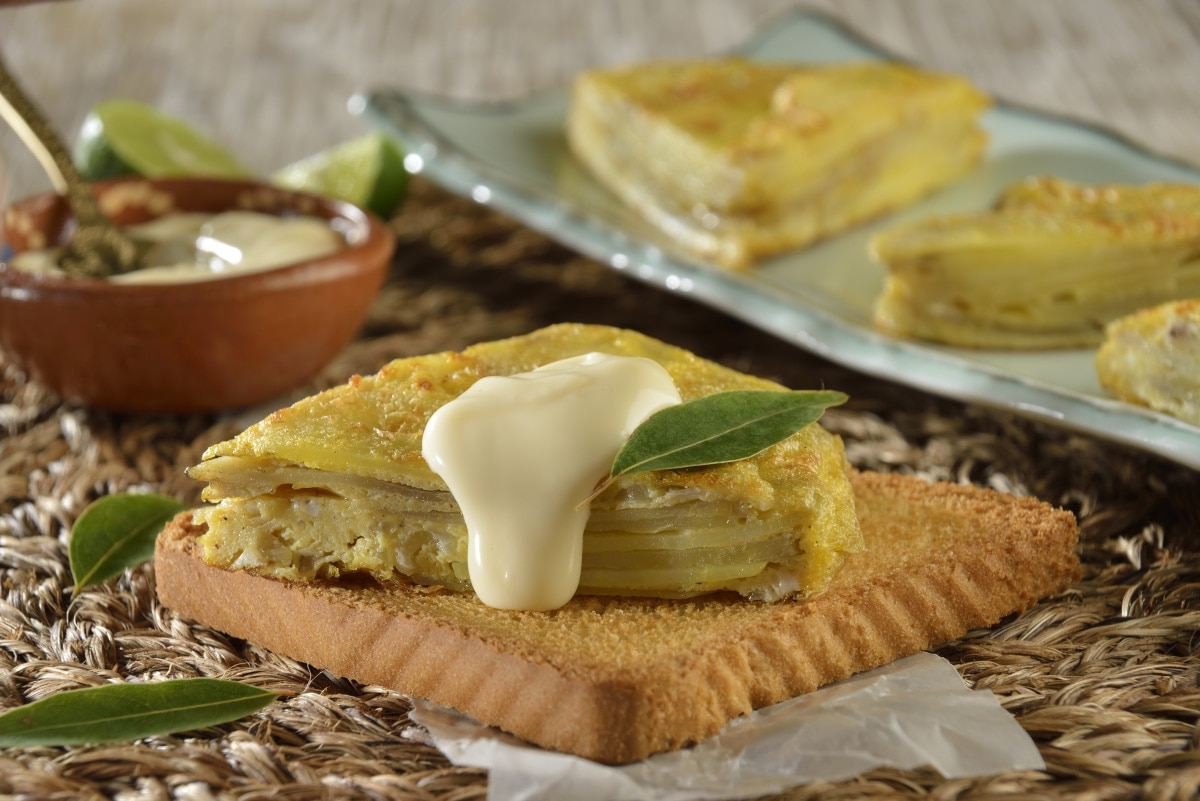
(27, 120)
(98, 248)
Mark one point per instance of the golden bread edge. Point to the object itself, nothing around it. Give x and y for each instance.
(942, 559)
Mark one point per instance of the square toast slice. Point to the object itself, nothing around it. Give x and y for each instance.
(618, 679)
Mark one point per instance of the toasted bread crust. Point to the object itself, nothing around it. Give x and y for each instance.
(616, 680)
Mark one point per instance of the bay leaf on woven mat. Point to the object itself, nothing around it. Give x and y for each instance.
(129, 711)
(117, 532)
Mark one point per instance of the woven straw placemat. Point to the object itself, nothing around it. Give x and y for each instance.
(1104, 677)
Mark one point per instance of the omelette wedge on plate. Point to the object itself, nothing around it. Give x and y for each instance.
(734, 160)
(1048, 267)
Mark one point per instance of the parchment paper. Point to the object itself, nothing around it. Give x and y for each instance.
(916, 711)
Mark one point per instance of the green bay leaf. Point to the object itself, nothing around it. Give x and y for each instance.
(116, 532)
(719, 428)
(119, 712)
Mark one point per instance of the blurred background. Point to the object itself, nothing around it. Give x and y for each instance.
(270, 79)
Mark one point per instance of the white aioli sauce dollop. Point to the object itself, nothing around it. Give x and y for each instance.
(521, 452)
(206, 246)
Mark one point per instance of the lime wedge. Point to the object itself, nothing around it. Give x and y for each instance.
(368, 172)
(124, 137)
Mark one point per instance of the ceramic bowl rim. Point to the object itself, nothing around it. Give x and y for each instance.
(357, 256)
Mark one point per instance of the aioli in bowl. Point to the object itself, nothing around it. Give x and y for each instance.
(192, 346)
(194, 246)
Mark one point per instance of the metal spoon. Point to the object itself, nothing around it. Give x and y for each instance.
(98, 248)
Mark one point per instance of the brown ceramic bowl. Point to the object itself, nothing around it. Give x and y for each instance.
(186, 347)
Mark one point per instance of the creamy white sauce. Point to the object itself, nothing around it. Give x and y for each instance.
(521, 452)
(200, 247)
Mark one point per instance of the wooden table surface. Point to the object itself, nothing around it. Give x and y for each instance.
(271, 78)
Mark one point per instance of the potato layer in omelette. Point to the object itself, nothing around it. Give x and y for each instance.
(735, 160)
(336, 485)
(1049, 266)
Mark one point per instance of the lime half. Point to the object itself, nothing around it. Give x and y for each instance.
(124, 137)
(368, 172)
